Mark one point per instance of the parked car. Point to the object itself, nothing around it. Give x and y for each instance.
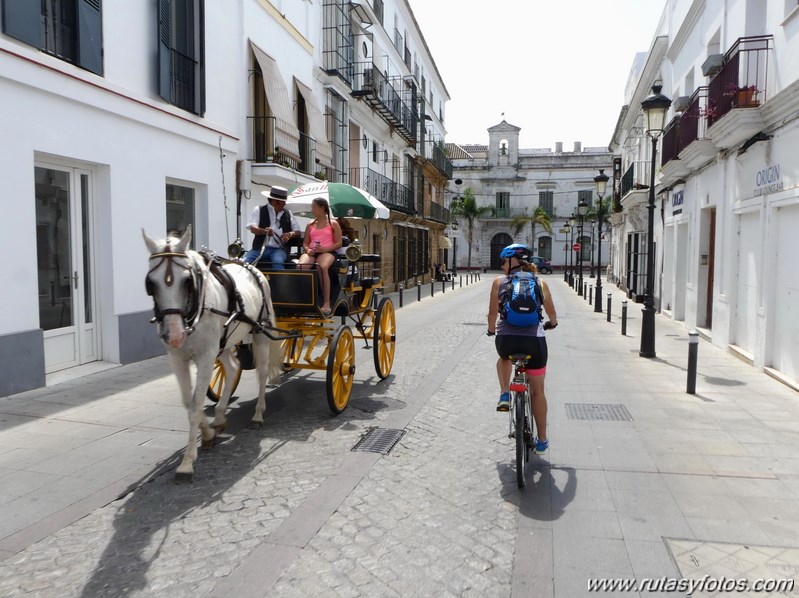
(544, 265)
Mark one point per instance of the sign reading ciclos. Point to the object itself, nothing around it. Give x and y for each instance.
(768, 180)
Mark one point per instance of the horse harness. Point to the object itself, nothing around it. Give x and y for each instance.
(191, 313)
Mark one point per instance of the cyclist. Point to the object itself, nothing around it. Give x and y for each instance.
(530, 341)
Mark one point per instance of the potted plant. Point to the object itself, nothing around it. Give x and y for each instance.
(321, 175)
(270, 157)
(743, 96)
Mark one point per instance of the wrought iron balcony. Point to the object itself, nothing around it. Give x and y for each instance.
(636, 177)
(693, 122)
(371, 84)
(266, 139)
(439, 213)
(503, 213)
(441, 162)
(743, 78)
(394, 195)
(670, 148)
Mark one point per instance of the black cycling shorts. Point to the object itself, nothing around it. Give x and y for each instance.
(535, 346)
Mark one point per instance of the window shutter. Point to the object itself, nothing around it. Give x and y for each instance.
(22, 19)
(201, 56)
(90, 35)
(165, 50)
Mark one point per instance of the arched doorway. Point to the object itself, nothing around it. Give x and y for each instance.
(499, 241)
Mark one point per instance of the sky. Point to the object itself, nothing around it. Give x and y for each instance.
(556, 68)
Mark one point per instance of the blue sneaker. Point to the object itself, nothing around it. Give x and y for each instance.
(541, 446)
(504, 402)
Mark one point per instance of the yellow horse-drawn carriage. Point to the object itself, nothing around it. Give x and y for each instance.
(327, 343)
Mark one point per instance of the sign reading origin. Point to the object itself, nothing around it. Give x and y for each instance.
(768, 180)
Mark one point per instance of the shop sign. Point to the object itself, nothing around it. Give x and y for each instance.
(768, 180)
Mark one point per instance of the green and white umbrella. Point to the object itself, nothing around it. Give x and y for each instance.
(345, 200)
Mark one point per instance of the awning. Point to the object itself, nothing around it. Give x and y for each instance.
(287, 135)
(316, 120)
(444, 243)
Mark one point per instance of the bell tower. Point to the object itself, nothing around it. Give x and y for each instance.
(503, 144)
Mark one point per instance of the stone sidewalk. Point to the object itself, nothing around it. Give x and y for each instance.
(691, 485)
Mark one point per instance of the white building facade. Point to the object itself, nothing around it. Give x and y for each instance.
(513, 182)
(727, 181)
(118, 116)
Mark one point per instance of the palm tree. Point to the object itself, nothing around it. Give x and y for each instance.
(467, 208)
(539, 216)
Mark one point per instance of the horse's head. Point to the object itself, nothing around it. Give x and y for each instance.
(174, 284)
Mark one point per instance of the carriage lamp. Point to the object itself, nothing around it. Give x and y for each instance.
(601, 182)
(655, 108)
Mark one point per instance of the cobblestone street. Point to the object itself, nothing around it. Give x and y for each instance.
(290, 511)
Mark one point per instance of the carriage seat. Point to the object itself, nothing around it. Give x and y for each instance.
(368, 283)
(370, 258)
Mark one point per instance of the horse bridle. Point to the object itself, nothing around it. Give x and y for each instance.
(196, 291)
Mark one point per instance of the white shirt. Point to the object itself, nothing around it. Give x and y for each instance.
(255, 219)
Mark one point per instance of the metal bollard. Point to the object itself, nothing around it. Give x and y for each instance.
(610, 297)
(444, 286)
(590, 295)
(432, 288)
(453, 282)
(401, 286)
(693, 355)
(418, 291)
(585, 291)
(460, 282)
(623, 317)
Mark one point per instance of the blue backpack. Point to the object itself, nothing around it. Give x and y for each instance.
(522, 301)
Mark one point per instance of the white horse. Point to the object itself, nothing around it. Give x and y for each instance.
(191, 308)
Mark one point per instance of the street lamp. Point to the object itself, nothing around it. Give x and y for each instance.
(582, 210)
(601, 182)
(572, 223)
(655, 108)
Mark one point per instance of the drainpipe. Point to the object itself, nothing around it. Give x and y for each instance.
(662, 249)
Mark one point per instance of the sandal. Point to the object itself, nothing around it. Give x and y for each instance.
(327, 312)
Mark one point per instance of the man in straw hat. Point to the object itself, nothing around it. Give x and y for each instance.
(274, 228)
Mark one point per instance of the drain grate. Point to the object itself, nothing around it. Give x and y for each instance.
(598, 412)
(379, 440)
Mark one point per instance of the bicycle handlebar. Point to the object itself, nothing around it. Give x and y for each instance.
(547, 326)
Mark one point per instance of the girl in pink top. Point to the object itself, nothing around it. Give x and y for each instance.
(322, 239)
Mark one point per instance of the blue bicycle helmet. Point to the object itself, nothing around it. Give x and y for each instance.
(517, 250)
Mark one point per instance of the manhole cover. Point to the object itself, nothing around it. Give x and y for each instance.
(716, 561)
(379, 440)
(598, 412)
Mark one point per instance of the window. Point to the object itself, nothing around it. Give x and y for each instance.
(587, 195)
(377, 5)
(338, 50)
(546, 200)
(338, 134)
(181, 54)
(503, 204)
(72, 30)
(375, 152)
(545, 247)
(180, 210)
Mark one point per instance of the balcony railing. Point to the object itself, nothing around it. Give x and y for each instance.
(743, 79)
(441, 161)
(439, 213)
(308, 155)
(265, 143)
(636, 177)
(392, 194)
(371, 84)
(693, 122)
(670, 147)
(506, 213)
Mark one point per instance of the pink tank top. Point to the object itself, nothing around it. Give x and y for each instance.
(323, 235)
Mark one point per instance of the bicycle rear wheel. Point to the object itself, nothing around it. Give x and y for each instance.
(521, 445)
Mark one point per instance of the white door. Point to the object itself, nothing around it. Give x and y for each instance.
(748, 282)
(67, 312)
(786, 313)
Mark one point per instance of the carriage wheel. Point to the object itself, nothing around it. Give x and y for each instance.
(218, 377)
(340, 369)
(384, 338)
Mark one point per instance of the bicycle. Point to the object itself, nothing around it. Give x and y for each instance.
(521, 417)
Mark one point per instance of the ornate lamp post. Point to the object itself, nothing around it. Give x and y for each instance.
(582, 210)
(601, 181)
(572, 222)
(655, 108)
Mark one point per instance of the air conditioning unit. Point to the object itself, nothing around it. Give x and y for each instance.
(681, 104)
(712, 65)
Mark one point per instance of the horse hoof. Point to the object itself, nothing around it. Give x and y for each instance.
(220, 428)
(256, 425)
(207, 445)
(184, 477)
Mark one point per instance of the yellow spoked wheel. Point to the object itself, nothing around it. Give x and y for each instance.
(218, 378)
(292, 352)
(384, 338)
(340, 369)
